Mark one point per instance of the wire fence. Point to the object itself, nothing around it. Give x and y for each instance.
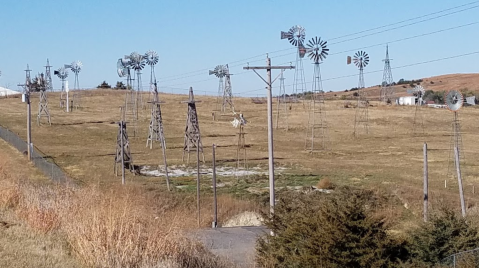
(468, 258)
(40, 160)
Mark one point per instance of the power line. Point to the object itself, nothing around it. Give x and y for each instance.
(352, 34)
(403, 21)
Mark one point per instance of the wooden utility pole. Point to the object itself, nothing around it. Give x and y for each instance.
(459, 181)
(198, 180)
(122, 154)
(215, 204)
(269, 84)
(426, 191)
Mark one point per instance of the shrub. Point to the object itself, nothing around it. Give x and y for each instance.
(444, 234)
(328, 230)
(104, 84)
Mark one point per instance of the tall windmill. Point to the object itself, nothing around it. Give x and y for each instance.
(41, 86)
(124, 66)
(152, 58)
(296, 36)
(137, 64)
(48, 76)
(225, 94)
(454, 101)
(76, 67)
(282, 107)
(62, 73)
(317, 125)
(361, 60)
(418, 92)
(192, 130)
(387, 89)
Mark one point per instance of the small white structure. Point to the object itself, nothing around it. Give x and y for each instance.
(406, 100)
(5, 92)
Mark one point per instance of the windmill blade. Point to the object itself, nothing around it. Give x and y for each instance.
(151, 57)
(285, 35)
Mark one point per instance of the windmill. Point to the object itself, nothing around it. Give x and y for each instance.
(152, 58)
(296, 36)
(62, 73)
(454, 101)
(317, 125)
(137, 64)
(224, 88)
(41, 85)
(76, 67)
(418, 92)
(123, 68)
(48, 76)
(240, 121)
(361, 60)
(387, 90)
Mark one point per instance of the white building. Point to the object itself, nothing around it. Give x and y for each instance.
(406, 100)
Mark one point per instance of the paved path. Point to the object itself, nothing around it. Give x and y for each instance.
(234, 243)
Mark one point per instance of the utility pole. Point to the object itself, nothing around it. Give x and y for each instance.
(26, 99)
(215, 204)
(269, 84)
(426, 175)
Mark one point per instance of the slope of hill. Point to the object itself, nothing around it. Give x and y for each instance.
(435, 83)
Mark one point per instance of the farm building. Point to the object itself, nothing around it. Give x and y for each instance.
(406, 100)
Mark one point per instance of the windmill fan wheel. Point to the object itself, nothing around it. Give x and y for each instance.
(317, 49)
(361, 59)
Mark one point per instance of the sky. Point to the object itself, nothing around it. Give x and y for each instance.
(192, 37)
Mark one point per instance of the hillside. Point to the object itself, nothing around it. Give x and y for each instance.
(435, 83)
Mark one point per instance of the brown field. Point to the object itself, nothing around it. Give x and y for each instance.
(390, 157)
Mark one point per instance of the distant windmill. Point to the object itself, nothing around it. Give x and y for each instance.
(62, 73)
(418, 92)
(152, 58)
(225, 94)
(296, 36)
(317, 129)
(361, 60)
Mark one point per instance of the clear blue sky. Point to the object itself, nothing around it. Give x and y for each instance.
(193, 36)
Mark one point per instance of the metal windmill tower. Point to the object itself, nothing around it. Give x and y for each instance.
(76, 67)
(240, 121)
(124, 66)
(296, 36)
(62, 73)
(418, 123)
(387, 89)
(137, 64)
(225, 93)
(361, 60)
(317, 128)
(48, 76)
(282, 106)
(42, 85)
(151, 58)
(192, 130)
(454, 101)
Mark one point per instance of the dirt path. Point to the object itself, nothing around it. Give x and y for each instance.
(236, 244)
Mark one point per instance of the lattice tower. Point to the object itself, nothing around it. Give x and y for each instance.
(317, 128)
(295, 36)
(192, 130)
(131, 111)
(454, 101)
(282, 105)
(361, 119)
(123, 144)
(418, 123)
(48, 76)
(387, 89)
(228, 93)
(155, 129)
(43, 104)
